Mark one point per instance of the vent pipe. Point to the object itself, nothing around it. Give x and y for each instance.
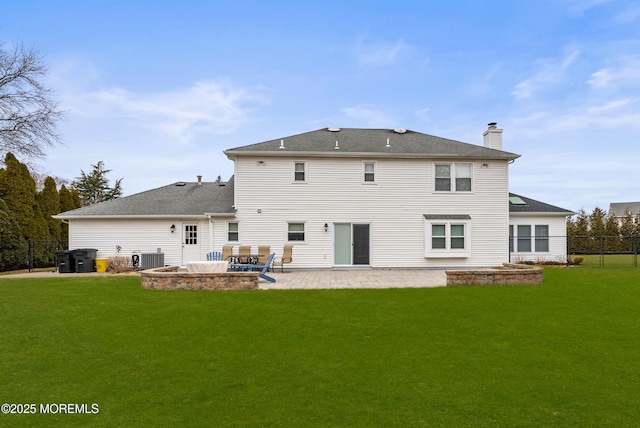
(199, 180)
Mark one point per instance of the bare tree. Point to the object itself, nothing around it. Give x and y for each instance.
(28, 112)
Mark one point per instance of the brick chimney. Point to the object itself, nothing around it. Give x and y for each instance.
(493, 137)
(199, 180)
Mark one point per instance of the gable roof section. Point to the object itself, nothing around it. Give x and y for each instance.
(174, 200)
(531, 206)
(352, 142)
(619, 208)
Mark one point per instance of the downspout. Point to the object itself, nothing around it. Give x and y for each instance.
(210, 232)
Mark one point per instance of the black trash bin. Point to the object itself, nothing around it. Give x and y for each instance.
(65, 261)
(85, 259)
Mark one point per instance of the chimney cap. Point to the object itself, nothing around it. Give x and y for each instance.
(492, 125)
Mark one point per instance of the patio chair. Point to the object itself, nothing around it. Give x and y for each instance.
(227, 252)
(244, 253)
(263, 254)
(214, 256)
(286, 257)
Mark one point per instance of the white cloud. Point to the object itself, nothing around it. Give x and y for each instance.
(551, 72)
(205, 107)
(626, 71)
(381, 54)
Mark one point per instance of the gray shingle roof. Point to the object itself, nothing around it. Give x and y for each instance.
(533, 206)
(356, 141)
(620, 207)
(178, 199)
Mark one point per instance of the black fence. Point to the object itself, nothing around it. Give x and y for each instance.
(603, 251)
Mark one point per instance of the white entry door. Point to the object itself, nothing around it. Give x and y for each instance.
(190, 243)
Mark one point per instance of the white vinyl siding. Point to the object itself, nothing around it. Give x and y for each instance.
(394, 208)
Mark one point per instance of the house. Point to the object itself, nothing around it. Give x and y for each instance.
(381, 198)
(537, 231)
(620, 209)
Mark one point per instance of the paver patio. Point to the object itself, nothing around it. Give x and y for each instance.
(316, 279)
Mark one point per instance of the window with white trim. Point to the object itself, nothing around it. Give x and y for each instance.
(299, 172)
(295, 232)
(447, 235)
(369, 172)
(453, 177)
(523, 241)
(233, 232)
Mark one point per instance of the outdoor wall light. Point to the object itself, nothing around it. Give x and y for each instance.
(172, 228)
(326, 227)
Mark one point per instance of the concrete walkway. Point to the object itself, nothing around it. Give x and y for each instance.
(316, 279)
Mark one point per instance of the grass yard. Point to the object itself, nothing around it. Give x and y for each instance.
(610, 261)
(564, 353)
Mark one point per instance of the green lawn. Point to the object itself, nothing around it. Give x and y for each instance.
(610, 260)
(564, 353)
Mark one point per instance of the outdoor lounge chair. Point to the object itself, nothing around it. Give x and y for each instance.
(286, 257)
(244, 252)
(214, 256)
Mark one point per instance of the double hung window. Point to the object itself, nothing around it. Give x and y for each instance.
(453, 177)
(295, 231)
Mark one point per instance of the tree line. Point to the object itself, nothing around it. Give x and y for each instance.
(26, 213)
(603, 231)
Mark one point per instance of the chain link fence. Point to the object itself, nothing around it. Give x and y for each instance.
(604, 251)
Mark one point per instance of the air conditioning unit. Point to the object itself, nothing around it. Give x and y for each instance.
(151, 260)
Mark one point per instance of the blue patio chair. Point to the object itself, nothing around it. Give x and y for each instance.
(214, 256)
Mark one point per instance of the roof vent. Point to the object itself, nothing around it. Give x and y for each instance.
(281, 144)
(180, 183)
(337, 147)
(333, 129)
(399, 130)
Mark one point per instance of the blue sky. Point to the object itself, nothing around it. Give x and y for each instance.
(158, 89)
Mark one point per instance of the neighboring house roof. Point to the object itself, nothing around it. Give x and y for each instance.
(619, 208)
(345, 142)
(521, 204)
(182, 199)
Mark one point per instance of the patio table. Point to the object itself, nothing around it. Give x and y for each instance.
(208, 266)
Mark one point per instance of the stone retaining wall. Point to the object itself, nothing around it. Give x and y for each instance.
(509, 274)
(169, 278)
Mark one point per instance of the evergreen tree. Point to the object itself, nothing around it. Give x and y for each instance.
(94, 188)
(627, 229)
(49, 201)
(580, 241)
(596, 227)
(612, 232)
(18, 189)
(13, 247)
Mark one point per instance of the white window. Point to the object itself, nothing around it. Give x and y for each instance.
(233, 233)
(369, 172)
(525, 241)
(295, 231)
(299, 172)
(445, 174)
(447, 235)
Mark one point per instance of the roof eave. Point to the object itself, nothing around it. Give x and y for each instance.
(541, 213)
(142, 216)
(337, 154)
